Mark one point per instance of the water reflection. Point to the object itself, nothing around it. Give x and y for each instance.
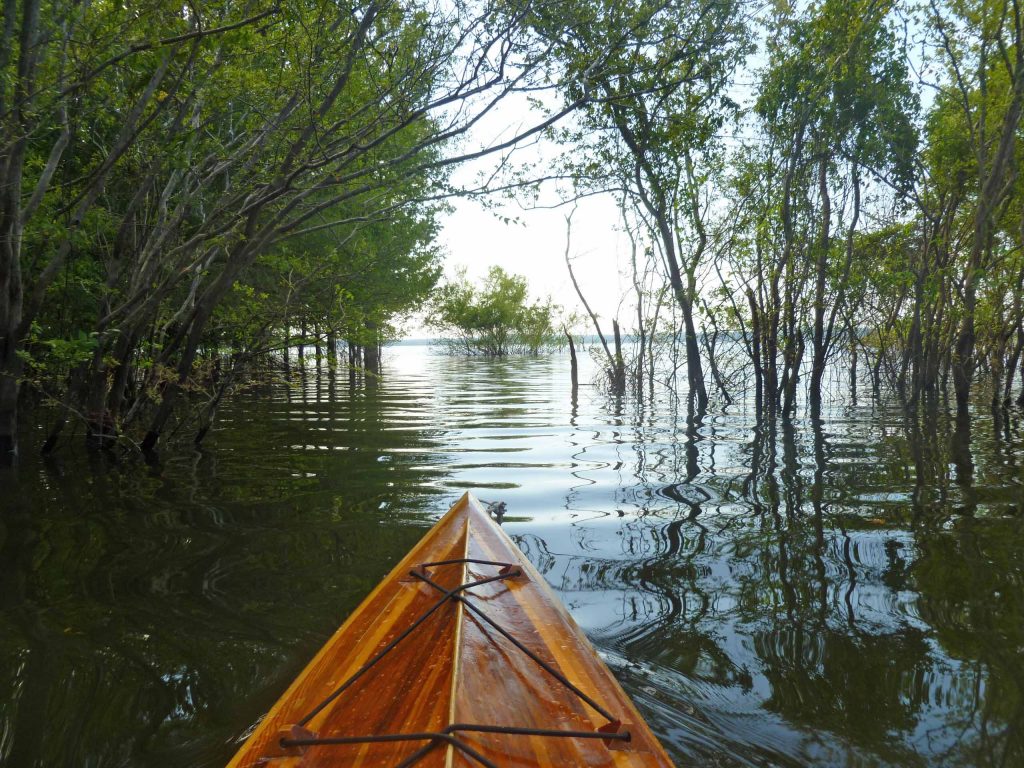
(838, 591)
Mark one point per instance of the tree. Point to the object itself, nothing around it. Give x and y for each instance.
(653, 131)
(496, 319)
(982, 48)
(158, 152)
(836, 102)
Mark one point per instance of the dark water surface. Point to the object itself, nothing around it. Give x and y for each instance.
(847, 592)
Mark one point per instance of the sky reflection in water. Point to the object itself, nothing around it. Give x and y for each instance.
(849, 592)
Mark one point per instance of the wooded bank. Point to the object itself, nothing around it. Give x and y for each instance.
(864, 202)
(188, 188)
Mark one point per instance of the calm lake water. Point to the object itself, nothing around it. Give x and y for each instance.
(847, 592)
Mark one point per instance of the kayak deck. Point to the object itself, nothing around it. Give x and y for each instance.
(462, 656)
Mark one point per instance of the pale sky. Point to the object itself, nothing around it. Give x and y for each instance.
(476, 239)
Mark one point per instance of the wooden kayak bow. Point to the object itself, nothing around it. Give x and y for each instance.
(462, 656)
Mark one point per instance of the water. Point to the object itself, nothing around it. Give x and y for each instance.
(848, 592)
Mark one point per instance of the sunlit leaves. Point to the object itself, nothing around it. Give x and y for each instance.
(494, 319)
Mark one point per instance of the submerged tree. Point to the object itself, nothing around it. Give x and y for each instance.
(185, 188)
(158, 158)
(495, 319)
(835, 105)
(982, 49)
(652, 132)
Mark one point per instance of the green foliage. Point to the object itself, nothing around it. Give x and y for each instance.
(354, 287)
(660, 102)
(220, 177)
(190, 179)
(839, 78)
(495, 319)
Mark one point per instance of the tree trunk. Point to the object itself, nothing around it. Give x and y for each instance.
(10, 319)
(619, 373)
(755, 350)
(791, 376)
(694, 369)
(1011, 367)
(771, 349)
(819, 345)
(11, 304)
(914, 357)
(876, 374)
(13, 146)
(371, 351)
(332, 350)
(352, 364)
(852, 334)
(1020, 397)
(583, 299)
(124, 351)
(210, 413)
(710, 345)
(10, 371)
(100, 428)
(962, 363)
(73, 385)
(574, 368)
(183, 371)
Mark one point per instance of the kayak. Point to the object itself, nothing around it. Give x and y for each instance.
(461, 656)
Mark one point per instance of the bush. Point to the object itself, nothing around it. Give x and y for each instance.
(495, 319)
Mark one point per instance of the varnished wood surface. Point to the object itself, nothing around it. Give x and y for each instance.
(455, 668)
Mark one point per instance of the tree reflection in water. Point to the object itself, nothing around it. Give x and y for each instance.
(846, 590)
(859, 601)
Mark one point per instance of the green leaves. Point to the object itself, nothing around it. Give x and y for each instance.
(837, 75)
(495, 319)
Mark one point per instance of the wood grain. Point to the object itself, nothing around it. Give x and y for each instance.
(455, 668)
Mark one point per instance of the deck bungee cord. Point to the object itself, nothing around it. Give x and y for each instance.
(462, 657)
(300, 738)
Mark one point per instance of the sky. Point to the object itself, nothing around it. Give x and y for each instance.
(476, 238)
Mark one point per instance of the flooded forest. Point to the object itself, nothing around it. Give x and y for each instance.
(778, 484)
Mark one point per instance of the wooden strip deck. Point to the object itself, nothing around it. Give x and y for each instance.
(456, 668)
